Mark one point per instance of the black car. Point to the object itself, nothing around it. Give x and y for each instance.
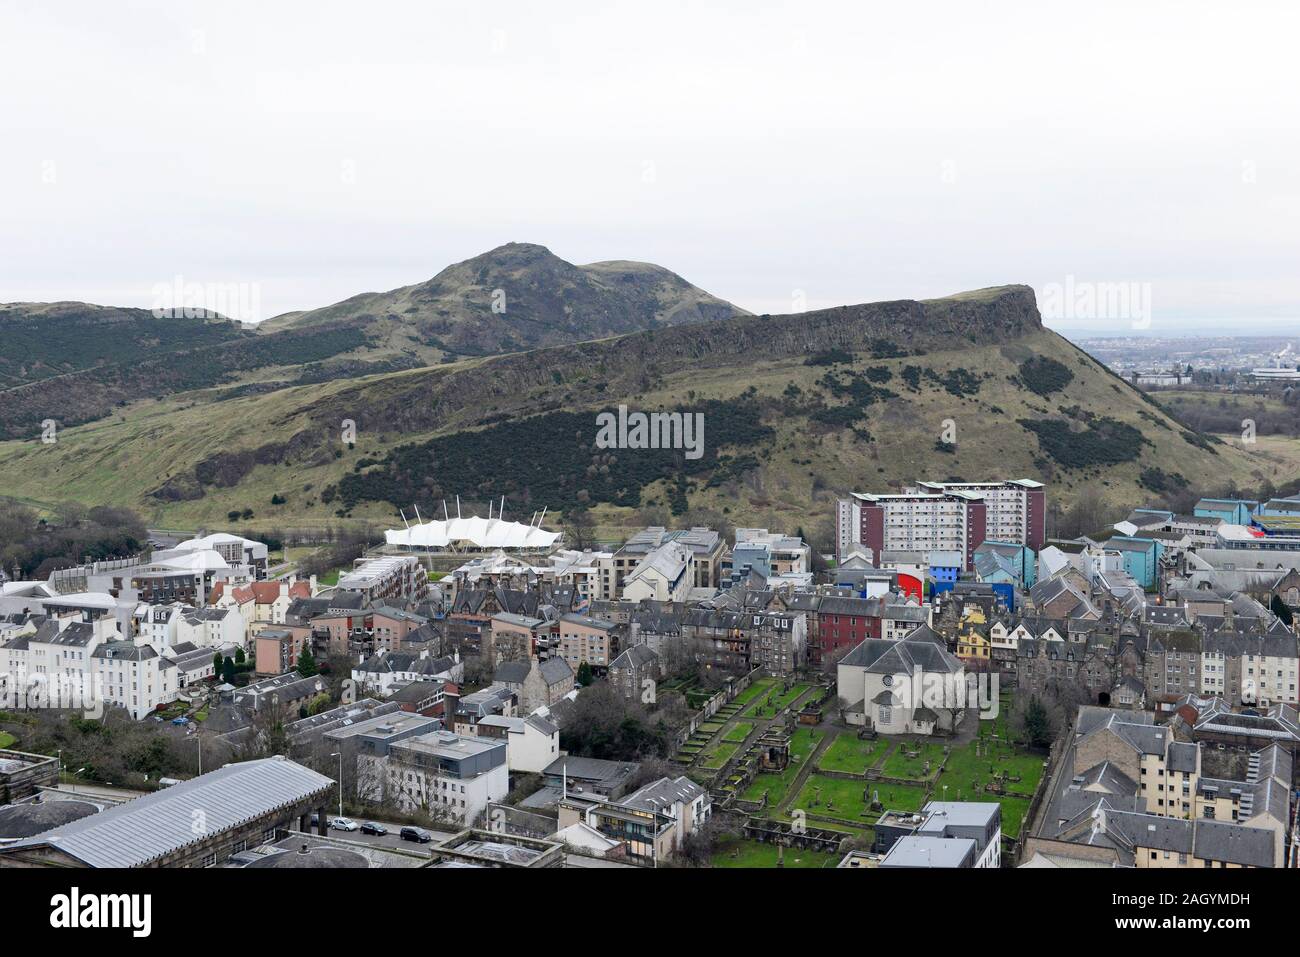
(372, 827)
(416, 834)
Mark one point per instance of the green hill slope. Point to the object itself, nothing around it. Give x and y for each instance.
(797, 408)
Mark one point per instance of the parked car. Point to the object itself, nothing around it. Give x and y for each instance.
(344, 824)
(416, 834)
(373, 827)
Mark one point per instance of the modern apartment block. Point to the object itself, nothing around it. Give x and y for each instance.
(912, 522)
(450, 774)
(387, 580)
(1015, 510)
(943, 516)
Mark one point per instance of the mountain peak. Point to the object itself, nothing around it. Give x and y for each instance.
(516, 297)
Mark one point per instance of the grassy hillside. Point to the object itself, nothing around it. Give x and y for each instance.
(516, 297)
(41, 340)
(798, 409)
(75, 362)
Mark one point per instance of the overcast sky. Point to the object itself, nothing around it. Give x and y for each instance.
(777, 154)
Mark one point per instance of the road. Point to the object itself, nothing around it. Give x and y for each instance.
(391, 839)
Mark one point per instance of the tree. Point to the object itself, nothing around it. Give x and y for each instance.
(217, 662)
(584, 674)
(228, 671)
(580, 527)
(1279, 608)
(1037, 723)
(240, 657)
(307, 663)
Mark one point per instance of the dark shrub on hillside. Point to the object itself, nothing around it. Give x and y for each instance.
(1044, 376)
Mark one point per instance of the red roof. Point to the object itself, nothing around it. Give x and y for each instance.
(264, 593)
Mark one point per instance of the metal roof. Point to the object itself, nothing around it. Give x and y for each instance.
(141, 831)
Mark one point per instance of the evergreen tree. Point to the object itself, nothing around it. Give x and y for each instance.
(307, 663)
(1280, 609)
(1038, 724)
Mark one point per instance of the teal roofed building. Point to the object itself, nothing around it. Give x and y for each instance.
(1141, 558)
(1006, 563)
(1234, 511)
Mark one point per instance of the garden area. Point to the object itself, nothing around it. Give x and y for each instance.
(851, 755)
(848, 800)
(775, 700)
(738, 732)
(914, 761)
(717, 756)
(746, 853)
(989, 758)
(802, 743)
(758, 687)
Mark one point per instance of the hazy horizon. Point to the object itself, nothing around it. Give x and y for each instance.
(315, 155)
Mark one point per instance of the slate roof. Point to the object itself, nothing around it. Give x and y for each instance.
(664, 793)
(124, 651)
(555, 670)
(637, 656)
(906, 656)
(512, 672)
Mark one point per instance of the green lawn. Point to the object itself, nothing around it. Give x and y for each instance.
(998, 725)
(849, 754)
(6, 739)
(969, 772)
(718, 756)
(836, 797)
(768, 705)
(759, 854)
(802, 743)
(756, 688)
(738, 732)
(899, 765)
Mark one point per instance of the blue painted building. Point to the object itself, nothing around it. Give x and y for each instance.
(944, 567)
(1280, 506)
(1141, 557)
(1234, 511)
(1006, 562)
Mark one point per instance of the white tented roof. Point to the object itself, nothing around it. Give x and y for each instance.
(474, 532)
(204, 560)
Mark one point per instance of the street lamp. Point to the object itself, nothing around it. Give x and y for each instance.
(339, 755)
